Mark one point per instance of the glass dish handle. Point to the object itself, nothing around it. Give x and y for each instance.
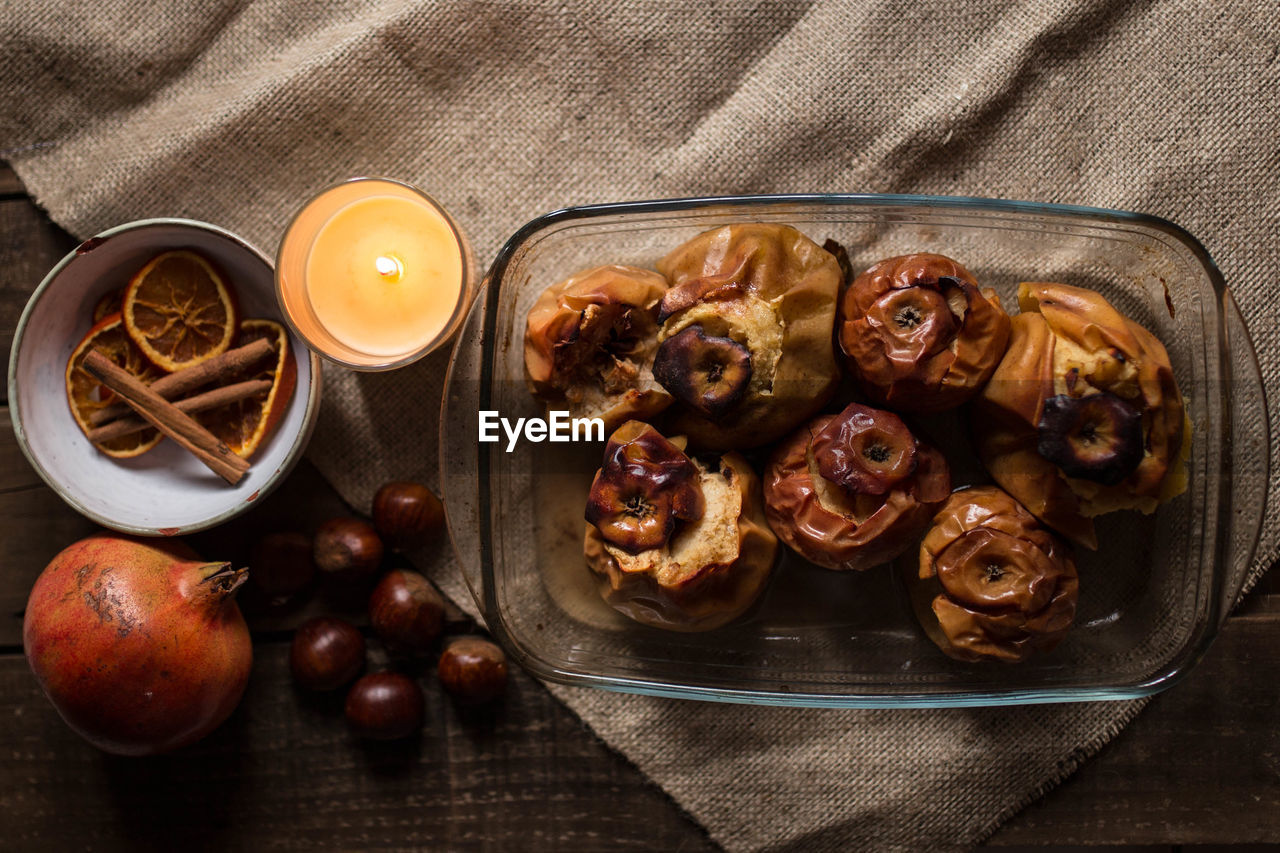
(1250, 454)
(459, 462)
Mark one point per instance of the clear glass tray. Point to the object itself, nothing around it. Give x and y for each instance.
(1152, 597)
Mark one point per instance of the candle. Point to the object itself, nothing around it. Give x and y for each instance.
(374, 274)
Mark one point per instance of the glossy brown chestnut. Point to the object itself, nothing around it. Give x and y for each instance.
(990, 582)
(407, 515)
(385, 706)
(348, 548)
(473, 670)
(406, 612)
(282, 564)
(644, 486)
(918, 333)
(326, 653)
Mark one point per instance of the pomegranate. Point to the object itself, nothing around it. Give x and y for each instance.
(139, 644)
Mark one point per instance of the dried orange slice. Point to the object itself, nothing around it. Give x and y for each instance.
(179, 311)
(109, 304)
(86, 395)
(245, 424)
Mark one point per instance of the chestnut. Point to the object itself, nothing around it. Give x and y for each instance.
(406, 612)
(281, 564)
(385, 706)
(348, 547)
(326, 653)
(407, 515)
(473, 670)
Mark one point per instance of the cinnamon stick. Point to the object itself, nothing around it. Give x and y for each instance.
(166, 417)
(178, 383)
(208, 400)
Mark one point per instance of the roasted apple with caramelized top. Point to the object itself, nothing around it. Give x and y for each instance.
(645, 485)
(919, 334)
(745, 344)
(1083, 416)
(676, 542)
(589, 344)
(853, 490)
(991, 583)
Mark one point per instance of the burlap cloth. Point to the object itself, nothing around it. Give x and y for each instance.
(233, 111)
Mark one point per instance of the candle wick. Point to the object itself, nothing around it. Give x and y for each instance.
(389, 266)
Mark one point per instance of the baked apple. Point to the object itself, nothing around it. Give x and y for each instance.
(918, 333)
(853, 490)
(745, 343)
(992, 584)
(1083, 416)
(676, 542)
(589, 344)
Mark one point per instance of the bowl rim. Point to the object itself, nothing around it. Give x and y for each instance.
(1168, 673)
(273, 480)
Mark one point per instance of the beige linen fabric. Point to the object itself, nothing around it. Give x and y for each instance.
(233, 111)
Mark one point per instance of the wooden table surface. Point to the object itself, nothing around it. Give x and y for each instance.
(1200, 766)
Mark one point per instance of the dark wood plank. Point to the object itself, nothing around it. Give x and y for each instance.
(29, 246)
(303, 502)
(10, 183)
(1200, 765)
(16, 472)
(1270, 583)
(530, 777)
(283, 773)
(1117, 848)
(37, 525)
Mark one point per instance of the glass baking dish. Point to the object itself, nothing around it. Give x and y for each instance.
(1152, 597)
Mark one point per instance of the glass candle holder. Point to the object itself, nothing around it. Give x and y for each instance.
(374, 274)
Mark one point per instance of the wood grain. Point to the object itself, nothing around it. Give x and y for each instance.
(283, 773)
(1200, 765)
(10, 183)
(29, 247)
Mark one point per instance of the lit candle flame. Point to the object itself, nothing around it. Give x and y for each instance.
(389, 267)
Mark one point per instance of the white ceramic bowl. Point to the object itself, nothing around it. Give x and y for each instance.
(166, 491)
